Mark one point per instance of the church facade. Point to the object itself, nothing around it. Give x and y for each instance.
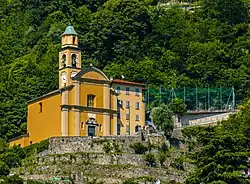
(87, 102)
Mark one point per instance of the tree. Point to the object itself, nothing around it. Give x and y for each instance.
(231, 11)
(221, 152)
(163, 118)
(4, 169)
(178, 106)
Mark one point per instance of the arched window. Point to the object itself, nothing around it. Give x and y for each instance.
(91, 100)
(100, 127)
(63, 60)
(74, 60)
(82, 125)
(74, 40)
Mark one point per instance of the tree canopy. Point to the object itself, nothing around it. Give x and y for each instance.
(221, 152)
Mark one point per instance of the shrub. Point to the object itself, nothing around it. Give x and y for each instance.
(36, 148)
(164, 147)
(4, 169)
(150, 158)
(107, 147)
(179, 163)
(12, 180)
(116, 148)
(139, 148)
(11, 159)
(162, 157)
(130, 181)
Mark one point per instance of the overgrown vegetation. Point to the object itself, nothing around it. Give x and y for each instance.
(139, 148)
(222, 152)
(130, 181)
(112, 147)
(17, 180)
(150, 159)
(17, 156)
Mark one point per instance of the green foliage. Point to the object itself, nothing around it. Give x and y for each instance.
(107, 147)
(17, 156)
(138, 148)
(13, 180)
(221, 152)
(150, 159)
(130, 181)
(233, 11)
(178, 162)
(4, 169)
(36, 148)
(178, 106)
(163, 118)
(162, 157)
(164, 147)
(113, 148)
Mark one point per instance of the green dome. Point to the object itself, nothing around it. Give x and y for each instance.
(69, 31)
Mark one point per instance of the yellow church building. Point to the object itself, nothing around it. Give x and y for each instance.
(87, 102)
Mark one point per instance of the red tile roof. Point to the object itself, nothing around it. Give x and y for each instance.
(127, 82)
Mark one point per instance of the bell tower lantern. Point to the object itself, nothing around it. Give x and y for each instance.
(69, 37)
(69, 57)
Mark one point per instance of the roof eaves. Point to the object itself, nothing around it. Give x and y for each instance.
(52, 93)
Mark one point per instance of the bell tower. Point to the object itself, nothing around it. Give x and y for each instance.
(69, 57)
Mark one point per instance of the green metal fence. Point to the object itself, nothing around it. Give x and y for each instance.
(195, 98)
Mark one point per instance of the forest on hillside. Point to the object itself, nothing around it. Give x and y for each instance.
(145, 42)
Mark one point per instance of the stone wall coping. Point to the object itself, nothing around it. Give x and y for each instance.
(100, 138)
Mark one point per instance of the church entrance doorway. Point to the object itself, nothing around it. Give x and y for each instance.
(91, 130)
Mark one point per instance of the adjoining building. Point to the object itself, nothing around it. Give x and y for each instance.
(87, 102)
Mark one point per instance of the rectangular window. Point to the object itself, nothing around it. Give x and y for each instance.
(137, 92)
(137, 117)
(127, 104)
(41, 106)
(100, 127)
(118, 128)
(127, 90)
(118, 89)
(137, 105)
(120, 103)
(119, 115)
(127, 116)
(90, 100)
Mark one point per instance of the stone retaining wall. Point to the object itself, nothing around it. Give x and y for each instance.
(61, 145)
